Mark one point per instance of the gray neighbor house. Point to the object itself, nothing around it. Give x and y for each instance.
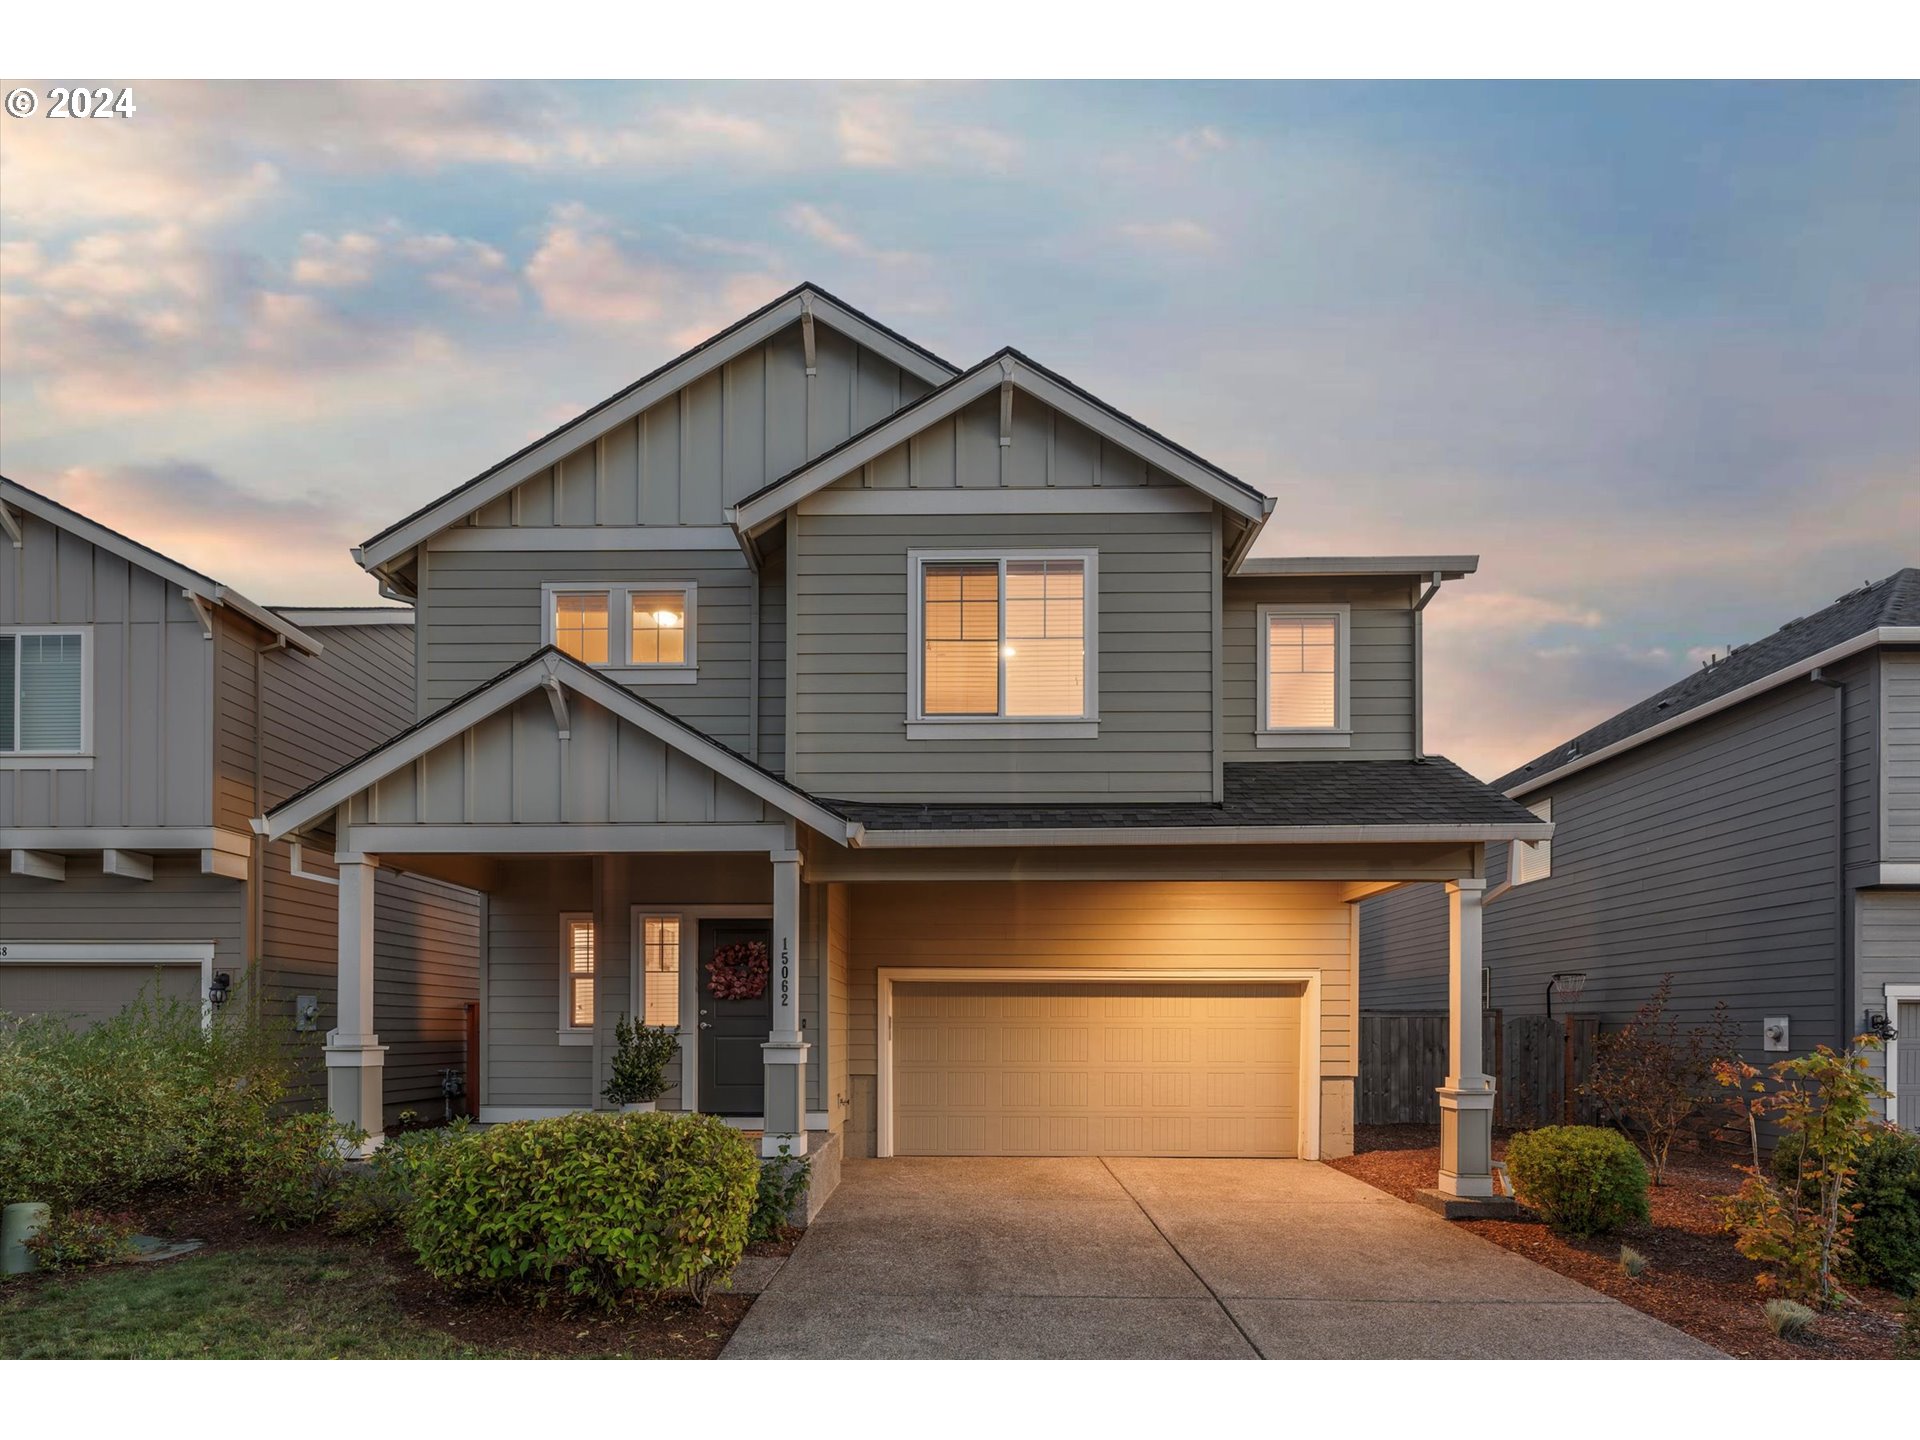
(147, 714)
(1754, 830)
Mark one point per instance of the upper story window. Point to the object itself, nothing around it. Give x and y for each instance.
(640, 633)
(1534, 860)
(1304, 690)
(999, 639)
(44, 692)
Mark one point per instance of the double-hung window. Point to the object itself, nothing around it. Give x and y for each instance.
(639, 633)
(1304, 687)
(579, 966)
(660, 969)
(43, 693)
(1002, 643)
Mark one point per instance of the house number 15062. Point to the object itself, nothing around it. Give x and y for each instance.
(786, 969)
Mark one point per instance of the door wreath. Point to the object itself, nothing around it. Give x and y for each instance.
(739, 971)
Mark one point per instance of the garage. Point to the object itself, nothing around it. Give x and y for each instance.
(90, 983)
(1120, 1066)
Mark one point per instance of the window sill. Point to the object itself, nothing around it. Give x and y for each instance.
(1003, 729)
(651, 675)
(575, 1037)
(46, 762)
(1303, 740)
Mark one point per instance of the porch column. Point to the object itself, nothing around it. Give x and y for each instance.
(356, 1060)
(1466, 1099)
(786, 1049)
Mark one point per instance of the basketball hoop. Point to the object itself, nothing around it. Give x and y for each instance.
(1567, 984)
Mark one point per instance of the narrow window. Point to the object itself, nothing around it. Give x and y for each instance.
(580, 625)
(659, 627)
(660, 958)
(43, 693)
(962, 628)
(1534, 860)
(1303, 675)
(1046, 647)
(1004, 638)
(578, 958)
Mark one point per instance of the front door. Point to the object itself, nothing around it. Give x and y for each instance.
(732, 1031)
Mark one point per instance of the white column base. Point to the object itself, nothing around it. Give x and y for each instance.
(356, 1071)
(1466, 1137)
(785, 1102)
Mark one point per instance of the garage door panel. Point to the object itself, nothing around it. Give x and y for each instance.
(1133, 1068)
(89, 993)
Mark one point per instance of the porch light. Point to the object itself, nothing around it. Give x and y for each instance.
(219, 988)
(665, 619)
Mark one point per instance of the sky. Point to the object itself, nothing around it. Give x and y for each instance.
(1652, 351)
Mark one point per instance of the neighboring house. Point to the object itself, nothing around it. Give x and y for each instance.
(147, 713)
(957, 691)
(1753, 829)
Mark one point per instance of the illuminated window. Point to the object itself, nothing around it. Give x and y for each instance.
(1303, 674)
(659, 627)
(643, 633)
(578, 959)
(1004, 637)
(660, 969)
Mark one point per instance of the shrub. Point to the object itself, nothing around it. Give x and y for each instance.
(74, 1239)
(1802, 1223)
(376, 1195)
(1790, 1320)
(1632, 1263)
(297, 1169)
(1651, 1077)
(1907, 1345)
(638, 1070)
(1581, 1179)
(783, 1181)
(599, 1204)
(1885, 1192)
(142, 1100)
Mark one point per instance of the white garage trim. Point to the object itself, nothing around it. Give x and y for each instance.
(1309, 1148)
(81, 952)
(1897, 995)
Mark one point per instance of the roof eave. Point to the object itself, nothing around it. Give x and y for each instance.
(875, 839)
(1447, 567)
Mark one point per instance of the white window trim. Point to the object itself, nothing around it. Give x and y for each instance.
(690, 917)
(81, 758)
(922, 726)
(1541, 809)
(568, 1033)
(1894, 997)
(620, 624)
(1339, 735)
(119, 952)
(637, 987)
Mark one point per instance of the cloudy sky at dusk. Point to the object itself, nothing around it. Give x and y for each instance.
(1652, 351)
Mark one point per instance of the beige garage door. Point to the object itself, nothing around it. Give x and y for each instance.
(90, 993)
(1003, 1068)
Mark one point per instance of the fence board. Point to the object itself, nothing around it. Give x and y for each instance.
(1403, 1061)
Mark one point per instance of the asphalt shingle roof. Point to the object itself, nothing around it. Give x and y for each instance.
(1892, 601)
(1433, 791)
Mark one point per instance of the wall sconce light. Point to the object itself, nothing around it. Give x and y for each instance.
(219, 988)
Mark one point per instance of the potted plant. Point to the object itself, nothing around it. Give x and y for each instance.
(639, 1069)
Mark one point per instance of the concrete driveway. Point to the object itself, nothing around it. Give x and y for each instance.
(1174, 1259)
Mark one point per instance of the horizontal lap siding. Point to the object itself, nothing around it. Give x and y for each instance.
(1155, 670)
(526, 1064)
(1403, 949)
(1380, 656)
(1888, 945)
(152, 688)
(178, 905)
(1900, 687)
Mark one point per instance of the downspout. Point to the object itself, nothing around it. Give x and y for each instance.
(753, 663)
(1842, 906)
(1419, 681)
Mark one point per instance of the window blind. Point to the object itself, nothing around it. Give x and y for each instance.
(9, 647)
(1535, 861)
(1046, 648)
(580, 963)
(580, 627)
(50, 686)
(660, 946)
(1302, 661)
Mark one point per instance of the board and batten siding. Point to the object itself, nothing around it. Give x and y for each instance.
(849, 615)
(1900, 786)
(1380, 660)
(1143, 924)
(1887, 950)
(152, 669)
(1707, 853)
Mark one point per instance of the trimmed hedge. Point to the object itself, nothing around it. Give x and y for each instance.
(1581, 1179)
(600, 1204)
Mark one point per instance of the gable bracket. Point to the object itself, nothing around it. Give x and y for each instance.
(203, 610)
(806, 334)
(10, 522)
(557, 697)
(1006, 402)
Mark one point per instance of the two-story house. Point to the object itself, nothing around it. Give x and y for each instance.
(956, 696)
(1752, 830)
(147, 714)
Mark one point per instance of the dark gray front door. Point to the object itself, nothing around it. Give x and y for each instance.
(732, 1031)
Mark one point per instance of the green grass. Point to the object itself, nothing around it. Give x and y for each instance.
(283, 1302)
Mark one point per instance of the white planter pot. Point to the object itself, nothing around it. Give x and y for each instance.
(639, 1107)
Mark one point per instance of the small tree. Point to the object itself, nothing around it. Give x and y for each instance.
(1651, 1077)
(1802, 1224)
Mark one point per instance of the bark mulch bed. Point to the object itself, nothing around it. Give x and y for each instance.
(1697, 1281)
(666, 1328)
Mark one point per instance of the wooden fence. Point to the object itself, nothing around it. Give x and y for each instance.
(1538, 1065)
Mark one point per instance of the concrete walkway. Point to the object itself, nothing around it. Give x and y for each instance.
(1175, 1259)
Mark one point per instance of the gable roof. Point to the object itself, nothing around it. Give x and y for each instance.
(545, 665)
(764, 506)
(204, 587)
(1887, 611)
(745, 333)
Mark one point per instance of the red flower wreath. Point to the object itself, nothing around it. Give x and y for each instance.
(739, 972)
